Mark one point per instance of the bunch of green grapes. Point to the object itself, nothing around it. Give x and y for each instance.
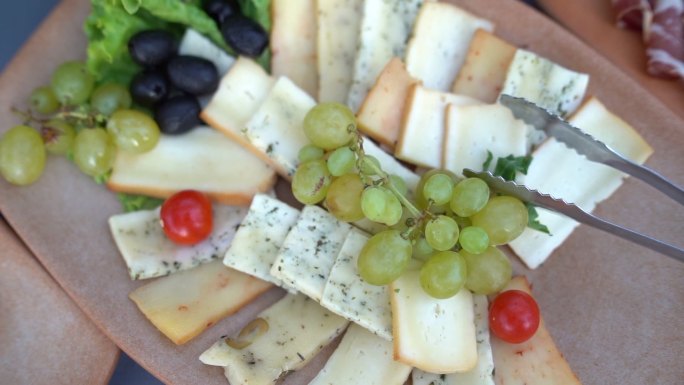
(450, 224)
(79, 119)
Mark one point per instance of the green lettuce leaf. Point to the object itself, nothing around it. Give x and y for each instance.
(533, 219)
(131, 202)
(509, 166)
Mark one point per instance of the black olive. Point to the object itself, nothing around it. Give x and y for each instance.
(244, 35)
(178, 114)
(152, 48)
(220, 10)
(149, 87)
(193, 75)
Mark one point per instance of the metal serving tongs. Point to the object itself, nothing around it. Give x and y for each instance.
(595, 151)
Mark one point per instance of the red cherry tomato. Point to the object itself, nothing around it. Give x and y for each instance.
(186, 217)
(514, 316)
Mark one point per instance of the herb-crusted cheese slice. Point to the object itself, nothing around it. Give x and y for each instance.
(309, 251)
(385, 28)
(349, 296)
(149, 253)
(196, 44)
(182, 314)
(439, 43)
(298, 328)
(276, 128)
(362, 358)
(423, 127)
(471, 131)
(338, 32)
(434, 335)
(391, 166)
(258, 239)
(483, 373)
(562, 173)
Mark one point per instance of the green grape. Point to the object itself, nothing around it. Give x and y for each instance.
(22, 155)
(380, 205)
(341, 161)
(330, 125)
(72, 83)
(133, 131)
(444, 274)
(43, 100)
(311, 181)
(310, 152)
(441, 233)
(422, 249)
(421, 200)
(399, 184)
(94, 151)
(370, 165)
(58, 136)
(462, 222)
(110, 97)
(473, 239)
(344, 198)
(488, 272)
(401, 223)
(384, 257)
(470, 196)
(438, 188)
(503, 218)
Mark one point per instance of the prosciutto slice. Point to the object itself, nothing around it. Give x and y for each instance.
(632, 14)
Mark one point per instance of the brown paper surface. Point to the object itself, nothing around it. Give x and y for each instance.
(614, 308)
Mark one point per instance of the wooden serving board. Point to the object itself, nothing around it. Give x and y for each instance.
(615, 309)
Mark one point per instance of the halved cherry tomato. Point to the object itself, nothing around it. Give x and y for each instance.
(514, 316)
(186, 217)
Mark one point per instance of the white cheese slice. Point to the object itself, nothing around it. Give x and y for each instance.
(239, 94)
(562, 173)
(338, 33)
(390, 164)
(545, 83)
(349, 296)
(483, 373)
(434, 335)
(385, 28)
(194, 43)
(362, 358)
(439, 43)
(293, 42)
(471, 131)
(185, 304)
(202, 159)
(298, 328)
(309, 251)
(259, 237)
(149, 253)
(423, 127)
(276, 128)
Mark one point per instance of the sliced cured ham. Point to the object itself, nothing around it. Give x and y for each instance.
(665, 39)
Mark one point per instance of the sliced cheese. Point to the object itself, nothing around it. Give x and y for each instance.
(276, 128)
(149, 253)
(484, 70)
(545, 83)
(391, 166)
(434, 335)
(202, 159)
(338, 32)
(362, 358)
(422, 132)
(196, 44)
(439, 43)
(349, 296)
(562, 173)
(471, 131)
(239, 94)
(183, 305)
(293, 42)
(380, 114)
(298, 328)
(483, 372)
(535, 361)
(260, 236)
(309, 251)
(385, 28)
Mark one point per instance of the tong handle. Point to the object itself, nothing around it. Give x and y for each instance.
(647, 175)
